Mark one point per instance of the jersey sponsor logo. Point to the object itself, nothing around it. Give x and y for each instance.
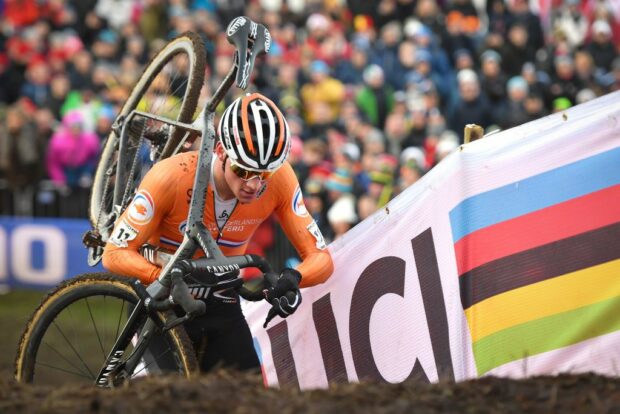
(123, 233)
(299, 207)
(313, 228)
(142, 208)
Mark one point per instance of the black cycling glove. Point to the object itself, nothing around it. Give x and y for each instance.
(282, 291)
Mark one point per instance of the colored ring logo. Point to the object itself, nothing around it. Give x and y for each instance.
(299, 207)
(142, 208)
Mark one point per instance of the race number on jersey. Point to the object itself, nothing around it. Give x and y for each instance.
(313, 228)
(122, 234)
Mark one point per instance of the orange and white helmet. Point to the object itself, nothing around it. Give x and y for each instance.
(254, 133)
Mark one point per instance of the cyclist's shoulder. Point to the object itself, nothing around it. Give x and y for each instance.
(285, 181)
(173, 170)
(178, 163)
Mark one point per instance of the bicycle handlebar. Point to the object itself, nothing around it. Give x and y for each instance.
(202, 270)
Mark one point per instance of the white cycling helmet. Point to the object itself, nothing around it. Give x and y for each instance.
(254, 133)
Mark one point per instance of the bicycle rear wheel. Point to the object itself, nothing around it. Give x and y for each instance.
(70, 335)
(169, 88)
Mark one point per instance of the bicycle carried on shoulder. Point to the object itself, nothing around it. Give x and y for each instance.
(137, 330)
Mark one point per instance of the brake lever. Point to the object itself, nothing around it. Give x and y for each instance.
(270, 315)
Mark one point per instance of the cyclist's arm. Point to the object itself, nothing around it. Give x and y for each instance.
(138, 224)
(316, 266)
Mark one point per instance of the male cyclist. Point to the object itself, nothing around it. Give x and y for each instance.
(250, 180)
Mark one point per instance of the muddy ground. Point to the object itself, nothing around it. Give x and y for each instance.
(231, 392)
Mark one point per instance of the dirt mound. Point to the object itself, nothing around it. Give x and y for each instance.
(231, 392)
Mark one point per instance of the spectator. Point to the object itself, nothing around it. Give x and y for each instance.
(315, 200)
(323, 95)
(37, 88)
(571, 21)
(72, 153)
(381, 187)
(448, 143)
(80, 69)
(534, 106)
(350, 71)
(376, 99)
(341, 213)
(564, 83)
(585, 71)
(462, 23)
(116, 12)
(59, 89)
(499, 17)
(614, 76)
(348, 157)
(492, 79)
(366, 206)
(431, 17)
(397, 129)
(601, 46)
(21, 151)
(517, 50)
(537, 82)
(386, 53)
(512, 112)
(471, 106)
(153, 20)
(409, 173)
(523, 16)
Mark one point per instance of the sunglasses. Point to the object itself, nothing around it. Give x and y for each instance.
(247, 175)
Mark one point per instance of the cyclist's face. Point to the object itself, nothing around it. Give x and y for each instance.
(243, 190)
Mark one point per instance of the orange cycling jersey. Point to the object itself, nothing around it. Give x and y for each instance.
(158, 214)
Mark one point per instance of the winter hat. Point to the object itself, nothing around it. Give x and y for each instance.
(342, 211)
(340, 180)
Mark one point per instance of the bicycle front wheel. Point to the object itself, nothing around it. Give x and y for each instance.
(169, 88)
(70, 335)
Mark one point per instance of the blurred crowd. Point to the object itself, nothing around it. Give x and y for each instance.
(375, 92)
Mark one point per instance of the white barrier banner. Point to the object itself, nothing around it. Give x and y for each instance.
(502, 260)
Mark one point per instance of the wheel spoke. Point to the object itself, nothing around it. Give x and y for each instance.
(77, 374)
(118, 325)
(150, 363)
(95, 326)
(67, 360)
(73, 348)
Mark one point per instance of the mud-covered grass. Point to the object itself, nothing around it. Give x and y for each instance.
(232, 392)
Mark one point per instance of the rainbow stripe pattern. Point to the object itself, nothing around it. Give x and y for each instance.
(539, 261)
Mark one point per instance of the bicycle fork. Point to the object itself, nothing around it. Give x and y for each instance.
(115, 369)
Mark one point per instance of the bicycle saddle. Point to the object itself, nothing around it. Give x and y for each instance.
(250, 39)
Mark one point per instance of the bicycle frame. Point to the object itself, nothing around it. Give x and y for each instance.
(250, 39)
